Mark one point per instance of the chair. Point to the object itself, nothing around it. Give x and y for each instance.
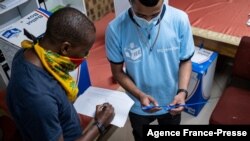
(234, 103)
(7, 125)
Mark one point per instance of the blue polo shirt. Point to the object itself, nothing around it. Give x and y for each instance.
(151, 62)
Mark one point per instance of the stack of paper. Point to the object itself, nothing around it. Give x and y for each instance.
(86, 103)
(201, 55)
(248, 22)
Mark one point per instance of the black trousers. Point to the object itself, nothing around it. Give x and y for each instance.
(137, 122)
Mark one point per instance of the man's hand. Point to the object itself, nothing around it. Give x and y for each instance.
(104, 114)
(178, 99)
(146, 100)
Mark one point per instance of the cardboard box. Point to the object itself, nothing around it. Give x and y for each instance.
(203, 68)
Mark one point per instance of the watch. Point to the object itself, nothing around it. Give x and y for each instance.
(183, 90)
(100, 127)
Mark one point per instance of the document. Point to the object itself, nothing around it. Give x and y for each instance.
(86, 103)
(201, 55)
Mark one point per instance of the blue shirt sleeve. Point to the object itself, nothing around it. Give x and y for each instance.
(113, 47)
(186, 37)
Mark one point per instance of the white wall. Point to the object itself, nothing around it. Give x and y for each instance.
(78, 4)
(121, 5)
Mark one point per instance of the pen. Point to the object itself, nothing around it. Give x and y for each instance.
(103, 107)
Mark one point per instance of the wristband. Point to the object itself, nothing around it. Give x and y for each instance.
(100, 127)
(183, 90)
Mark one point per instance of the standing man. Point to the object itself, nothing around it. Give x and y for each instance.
(154, 42)
(41, 92)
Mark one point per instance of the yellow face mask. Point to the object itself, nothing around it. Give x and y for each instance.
(59, 67)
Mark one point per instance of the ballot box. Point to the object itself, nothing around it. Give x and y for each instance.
(81, 75)
(200, 85)
(12, 35)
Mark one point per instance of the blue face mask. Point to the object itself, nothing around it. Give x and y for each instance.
(144, 23)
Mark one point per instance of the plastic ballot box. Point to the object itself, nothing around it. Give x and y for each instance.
(203, 68)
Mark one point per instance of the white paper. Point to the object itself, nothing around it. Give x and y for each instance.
(201, 55)
(248, 22)
(86, 103)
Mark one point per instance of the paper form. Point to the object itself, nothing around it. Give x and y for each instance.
(86, 103)
(201, 55)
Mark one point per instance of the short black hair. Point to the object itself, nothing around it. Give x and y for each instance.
(148, 3)
(69, 24)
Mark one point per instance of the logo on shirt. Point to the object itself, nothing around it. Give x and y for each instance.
(133, 52)
(164, 50)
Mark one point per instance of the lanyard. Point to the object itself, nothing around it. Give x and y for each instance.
(170, 107)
